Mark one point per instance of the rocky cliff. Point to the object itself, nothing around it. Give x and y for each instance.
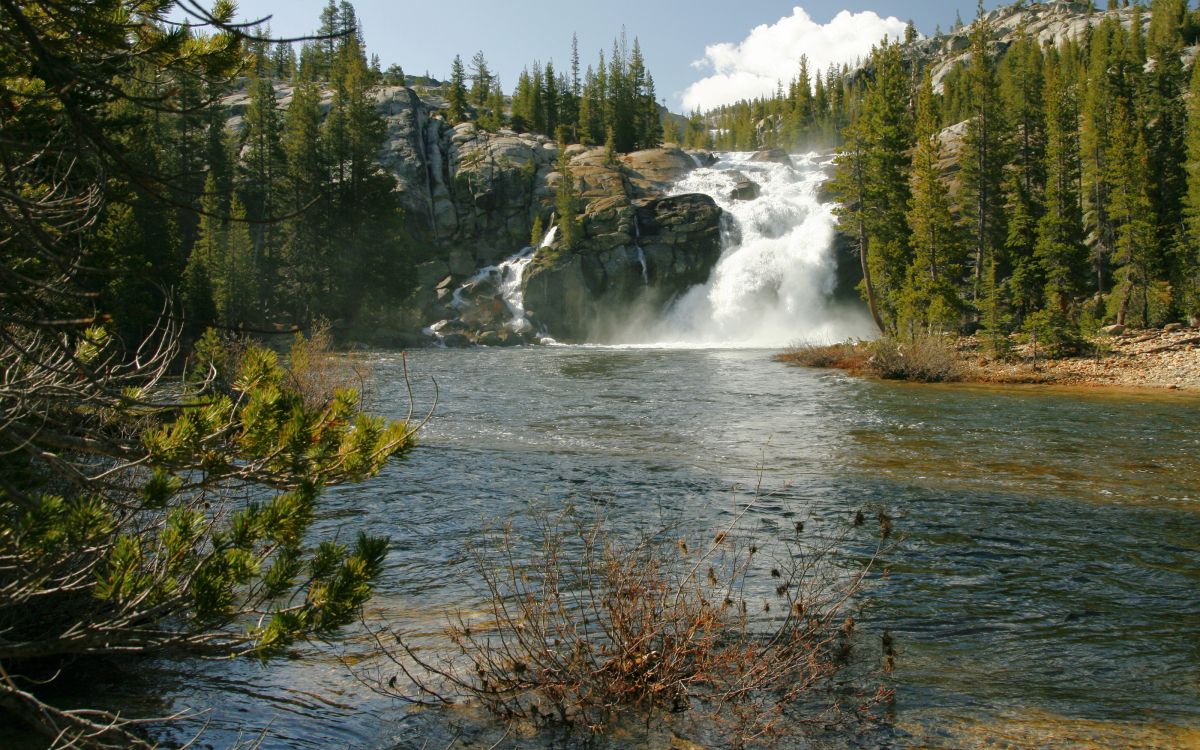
(476, 195)
(472, 199)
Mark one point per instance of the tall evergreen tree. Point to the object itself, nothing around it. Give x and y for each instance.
(1096, 147)
(983, 160)
(1164, 112)
(930, 300)
(481, 79)
(457, 95)
(1190, 249)
(873, 181)
(1060, 251)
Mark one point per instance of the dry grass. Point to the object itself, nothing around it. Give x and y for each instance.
(848, 355)
(928, 359)
(586, 630)
(318, 371)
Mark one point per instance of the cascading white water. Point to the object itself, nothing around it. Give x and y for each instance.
(512, 273)
(773, 286)
(507, 277)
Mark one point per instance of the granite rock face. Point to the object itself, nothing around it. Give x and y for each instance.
(472, 198)
(636, 254)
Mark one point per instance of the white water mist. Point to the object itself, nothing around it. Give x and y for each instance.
(773, 285)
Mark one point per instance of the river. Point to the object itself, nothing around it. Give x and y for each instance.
(1043, 591)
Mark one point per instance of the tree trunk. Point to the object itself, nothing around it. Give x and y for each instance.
(866, 269)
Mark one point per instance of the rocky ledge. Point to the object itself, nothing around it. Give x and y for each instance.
(636, 254)
(472, 198)
(640, 245)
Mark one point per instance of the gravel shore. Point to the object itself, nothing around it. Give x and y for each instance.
(1132, 359)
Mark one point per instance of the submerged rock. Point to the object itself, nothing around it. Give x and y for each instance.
(745, 190)
(775, 155)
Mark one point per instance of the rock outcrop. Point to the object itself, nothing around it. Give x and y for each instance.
(636, 254)
(472, 198)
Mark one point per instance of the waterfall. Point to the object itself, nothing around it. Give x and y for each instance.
(502, 280)
(774, 282)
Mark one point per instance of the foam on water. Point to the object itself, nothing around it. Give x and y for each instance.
(774, 282)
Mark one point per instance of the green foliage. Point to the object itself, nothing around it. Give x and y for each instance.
(140, 512)
(872, 182)
(537, 232)
(213, 559)
(457, 97)
(618, 95)
(929, 299)
(566, 204)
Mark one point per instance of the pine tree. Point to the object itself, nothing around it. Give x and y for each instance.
(262, 172)
(481, 80)
(983, 162)
(930, 299)
(566, 204)
(872, 179)
(1095, 145)
(1190, 251)
(1060, 251)
(306, 230)
(523, 103)
(550, 100)
(1164, 112)
(457, 96)
(1132, 211)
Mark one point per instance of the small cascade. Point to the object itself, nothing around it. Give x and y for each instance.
(492, 301)
(512, 273)
(774, 282)
(642, 262)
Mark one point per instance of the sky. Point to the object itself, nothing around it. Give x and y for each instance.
(701, 53)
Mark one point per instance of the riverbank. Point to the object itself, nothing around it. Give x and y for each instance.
(1160, 358)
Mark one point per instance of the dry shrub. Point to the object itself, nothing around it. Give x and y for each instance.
(586, 630)
(317, 370)
(848, 355)
(927, 359)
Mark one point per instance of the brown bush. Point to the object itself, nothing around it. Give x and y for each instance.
(848, 355)
(587, 630)
(928, 359)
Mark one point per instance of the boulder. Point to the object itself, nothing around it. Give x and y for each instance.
(489, 338)
(745, 190)
(774, 155)
(1172, 327)
(431, 273)
(674, 246)
(462, 262)
(657, 169)
(1113, 330)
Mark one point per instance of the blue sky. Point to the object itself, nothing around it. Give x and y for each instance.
(425, 36)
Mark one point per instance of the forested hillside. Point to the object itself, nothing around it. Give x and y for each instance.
(272, 208)
(1044, 179)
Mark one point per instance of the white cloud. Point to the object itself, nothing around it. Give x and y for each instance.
(772, 54)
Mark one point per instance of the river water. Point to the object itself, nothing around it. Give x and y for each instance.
(1043, 591)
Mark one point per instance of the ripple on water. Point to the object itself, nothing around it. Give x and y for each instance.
(1043, 592)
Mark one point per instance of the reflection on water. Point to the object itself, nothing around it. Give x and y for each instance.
(1045, 585)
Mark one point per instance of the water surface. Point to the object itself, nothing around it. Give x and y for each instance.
(1044, 592)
